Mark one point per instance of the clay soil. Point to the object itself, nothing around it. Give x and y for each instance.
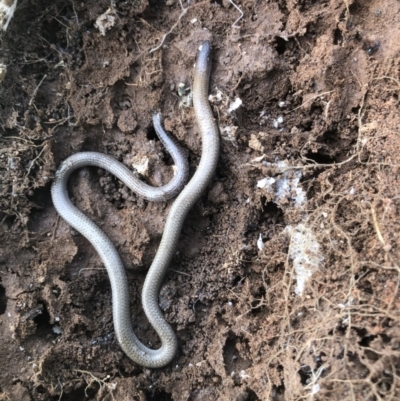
(307, 187)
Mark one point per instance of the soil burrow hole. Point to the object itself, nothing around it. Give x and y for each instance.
(234, 353)
(42, 319)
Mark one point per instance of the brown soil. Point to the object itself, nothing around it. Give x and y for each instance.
(319, 81)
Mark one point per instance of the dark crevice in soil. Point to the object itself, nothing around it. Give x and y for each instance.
(158, 396)
(251, 395)
(320, 157)
(305, 374)
(8, 220)
(233, 355)
(42, 321)
(151, 134)
(81, 393)
(40, 389)
(365, 337)
(281, 45)
(337, 37)
(272, 212)
(41, 197)
(330, 137)
(3, 299)
(278, 393)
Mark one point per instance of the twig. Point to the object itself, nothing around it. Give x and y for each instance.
(181, 15)
(178, 272)
(101, 382)
(36, 89)
(62, 389)
(76, 15)
(387, 77)
(91, 268)
(241, 14)
(376, 226)
(55, 228)
(34, 160)
(312, 98)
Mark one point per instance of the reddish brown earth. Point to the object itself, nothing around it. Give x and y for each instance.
(319, 81)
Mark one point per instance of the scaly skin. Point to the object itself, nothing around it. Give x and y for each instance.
(190, 194)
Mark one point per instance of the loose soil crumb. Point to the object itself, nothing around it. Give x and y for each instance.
(306, 95)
